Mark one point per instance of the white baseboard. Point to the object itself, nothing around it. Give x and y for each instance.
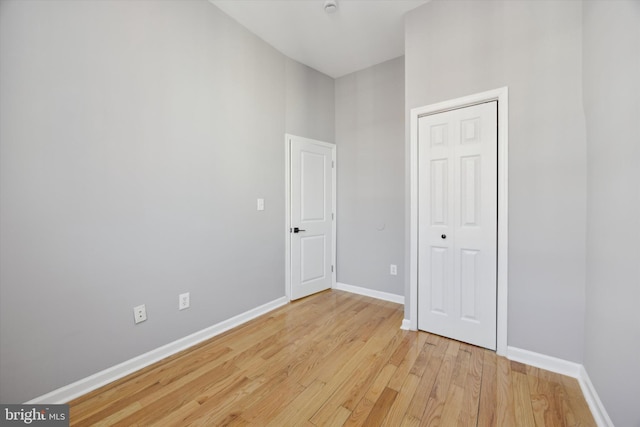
(553, 364)
(85, 385)
(570, 369)
(406, 324)
(399, 299)
(593, 400)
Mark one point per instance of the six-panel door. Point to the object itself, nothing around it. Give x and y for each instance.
(457, 222)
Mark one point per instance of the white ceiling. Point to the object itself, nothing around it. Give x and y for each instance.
(359, 34)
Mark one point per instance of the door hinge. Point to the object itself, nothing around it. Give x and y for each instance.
(333, 216)
(333, 164)
(332, 268)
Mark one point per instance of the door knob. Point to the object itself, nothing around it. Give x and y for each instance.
(297, 230)
(444, 236)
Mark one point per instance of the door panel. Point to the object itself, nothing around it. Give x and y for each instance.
(457, 222)
(469, 284)
(313, 176)
(439, 192)
(311, 207)
(470, 191)
(439, 270)
(313, 258)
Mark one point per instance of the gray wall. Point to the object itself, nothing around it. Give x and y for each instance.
(135, 138)
(464, 47)
(309, 102)
(370, 143)
(612, 108)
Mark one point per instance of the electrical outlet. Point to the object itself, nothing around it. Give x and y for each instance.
(183, 301)
(393, 270)
(139, 313)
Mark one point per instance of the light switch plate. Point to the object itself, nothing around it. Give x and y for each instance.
(184, 301)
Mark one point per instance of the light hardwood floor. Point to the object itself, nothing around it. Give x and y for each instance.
(335, 359)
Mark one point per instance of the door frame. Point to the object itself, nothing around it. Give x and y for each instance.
(287, 198)
(502, 96)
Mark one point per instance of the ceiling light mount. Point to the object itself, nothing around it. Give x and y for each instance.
(330, 6)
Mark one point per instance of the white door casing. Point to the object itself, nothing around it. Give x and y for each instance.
(457, 193)
(500, 95)
(310, 216)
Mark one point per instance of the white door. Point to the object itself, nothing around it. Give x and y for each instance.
(311, 216)
(457, 222)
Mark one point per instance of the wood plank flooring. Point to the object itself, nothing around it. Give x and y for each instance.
(335, 359)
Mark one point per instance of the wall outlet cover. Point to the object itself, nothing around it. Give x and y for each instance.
(139, 313)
